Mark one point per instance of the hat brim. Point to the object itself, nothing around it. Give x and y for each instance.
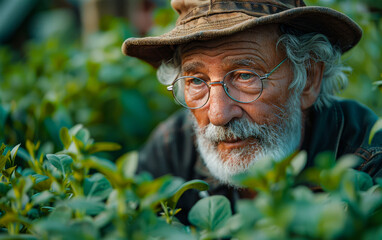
(340, 30)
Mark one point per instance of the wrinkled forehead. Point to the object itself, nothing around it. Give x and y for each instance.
(262, 39)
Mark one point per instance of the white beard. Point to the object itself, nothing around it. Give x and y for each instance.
(273, 141)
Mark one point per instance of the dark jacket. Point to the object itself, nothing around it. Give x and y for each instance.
(342, 128)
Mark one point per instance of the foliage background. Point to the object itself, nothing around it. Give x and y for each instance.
(59, 79)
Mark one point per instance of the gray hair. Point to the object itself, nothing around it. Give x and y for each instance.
(300, 49)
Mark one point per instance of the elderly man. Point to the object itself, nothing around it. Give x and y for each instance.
(258, 79)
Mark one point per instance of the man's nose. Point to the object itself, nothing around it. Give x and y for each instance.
(222, 108)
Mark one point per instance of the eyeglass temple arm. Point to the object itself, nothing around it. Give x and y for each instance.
(269, 74)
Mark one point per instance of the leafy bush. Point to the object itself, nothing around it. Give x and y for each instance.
(60, 83)
(78, 193)
(59, 196)
(74, 194)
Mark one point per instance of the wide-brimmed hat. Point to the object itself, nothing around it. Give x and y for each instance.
(208, 19)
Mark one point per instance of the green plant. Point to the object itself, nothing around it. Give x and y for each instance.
(60, 83)
(349, 206)
(74, 194)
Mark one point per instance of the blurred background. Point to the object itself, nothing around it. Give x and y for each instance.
(61, 65)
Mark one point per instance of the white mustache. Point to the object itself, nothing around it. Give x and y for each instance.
(235, 130)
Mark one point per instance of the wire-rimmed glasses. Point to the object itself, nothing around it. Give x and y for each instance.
(241, 85)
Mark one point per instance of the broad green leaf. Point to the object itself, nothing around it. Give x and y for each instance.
(104, 218)
(74, 130)
(193, 184)
(127, 164)
(361, 180)
(330, 179)
(61, 162)
(102, 165)
(371, 203)
(377, 127)
(83, 135)
(41, 182)
(210, 213)
(103, 146)
(109, 170)
(39, 178)
(97, 187)
(299, 161)
(42, 197)
(150, 187)
(152, 193)
(65, 137)
(331, 221)
(87, 205)
(61, 213)
(325, 160)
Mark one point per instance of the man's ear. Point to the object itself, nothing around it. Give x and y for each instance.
(313, 84)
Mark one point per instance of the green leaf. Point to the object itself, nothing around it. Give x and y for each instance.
(65, 137)
(41, 182)
(330, 179)
(74, 130)
(210, 213)
(42, 197)
(108, 169)
(31, 147)
(11, 217)
(97, 187)
(8, 172)
(193, 184)
(103, 146)
(325, 160)
(153, 192)
(61, 214)
(104, 218)
(3, 159)
(299, 161)
(377, 127)
(61, 162)
(3, 162)
(90, 206)
(14, 152)
(4, 188)
(361, 180)
(127, 164)
(83, 135)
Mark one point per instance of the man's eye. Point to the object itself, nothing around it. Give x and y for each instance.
(246, 76)
(196, 81)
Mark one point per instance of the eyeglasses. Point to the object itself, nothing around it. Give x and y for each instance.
(241, 85)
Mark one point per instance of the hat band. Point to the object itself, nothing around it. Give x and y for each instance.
(250, 8)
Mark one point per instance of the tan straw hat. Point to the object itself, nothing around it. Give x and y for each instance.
(209, 19)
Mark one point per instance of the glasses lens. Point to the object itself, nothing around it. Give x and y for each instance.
(191, 92)
(243, 85)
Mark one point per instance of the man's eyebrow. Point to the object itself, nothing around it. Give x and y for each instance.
(242, 62)
(191, 67)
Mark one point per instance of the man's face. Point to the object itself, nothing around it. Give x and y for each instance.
(232, 135)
